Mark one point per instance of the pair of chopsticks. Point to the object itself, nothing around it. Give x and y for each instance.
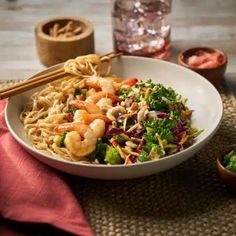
(43, 79)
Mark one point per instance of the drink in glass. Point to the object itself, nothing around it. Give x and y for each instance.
(142, 27)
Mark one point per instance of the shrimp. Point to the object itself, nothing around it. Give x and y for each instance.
(113, 112)
(83, 119)
(108, 85)
(98, 127)
(88, 118)
(99, 95)
(81, 141)
(129, 82)
(104, 104)
(115, 79)
(78, 113)
(89, 106)
(142, 114)
(98, 83)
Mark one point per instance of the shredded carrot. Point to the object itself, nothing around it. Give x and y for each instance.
(184, 138)
(117, 146)
(122, 154)
(127, 160)
(116, 79)
(187, 113)
(128, 115)
(114, 142)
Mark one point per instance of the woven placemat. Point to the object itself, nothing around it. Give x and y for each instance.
(189, 199)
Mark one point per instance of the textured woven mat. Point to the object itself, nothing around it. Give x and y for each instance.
(189, 199)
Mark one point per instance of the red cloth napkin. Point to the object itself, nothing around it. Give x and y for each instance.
(33, 192)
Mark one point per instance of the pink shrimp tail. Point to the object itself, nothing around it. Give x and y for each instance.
(63, 127)
(113, 97)
(130, 82)
(97, 96)
(91, 117)
(93, 82)
(78, 104)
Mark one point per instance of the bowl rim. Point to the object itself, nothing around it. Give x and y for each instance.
(182, 62)
(133, 165)
(88, 29)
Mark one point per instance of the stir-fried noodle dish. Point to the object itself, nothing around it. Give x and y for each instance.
(92, 116)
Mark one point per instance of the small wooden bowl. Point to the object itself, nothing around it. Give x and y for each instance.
(53, 50)
(227, 176)
(214, 74)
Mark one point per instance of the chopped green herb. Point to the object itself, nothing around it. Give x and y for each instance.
(162, 127)
(229, 160)
(73, 110)
(161, 98)
(123, 93)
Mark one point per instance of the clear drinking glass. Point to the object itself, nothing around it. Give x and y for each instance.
(142, 27)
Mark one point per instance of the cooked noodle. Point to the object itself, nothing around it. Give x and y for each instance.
(48, 108)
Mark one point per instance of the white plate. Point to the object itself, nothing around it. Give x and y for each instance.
(202, 97)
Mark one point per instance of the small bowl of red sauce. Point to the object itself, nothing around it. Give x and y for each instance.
(209, 62)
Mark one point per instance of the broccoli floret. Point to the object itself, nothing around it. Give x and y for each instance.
(59, 140)
(163, 127)
(112, 156)
(81, 92)
(62, 139)
(153, 150)
(147, 147)
(156, 152)
(99, 152)
(144, 157)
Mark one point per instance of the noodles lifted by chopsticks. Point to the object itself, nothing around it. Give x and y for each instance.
(87, 65)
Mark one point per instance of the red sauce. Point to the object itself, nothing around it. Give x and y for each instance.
(202, 59)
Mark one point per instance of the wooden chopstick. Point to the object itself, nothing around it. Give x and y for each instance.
(51, 75)
(43, 79)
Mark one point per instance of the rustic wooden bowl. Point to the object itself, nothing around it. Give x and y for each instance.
(214, 74)
(227, 176)
(53, 50)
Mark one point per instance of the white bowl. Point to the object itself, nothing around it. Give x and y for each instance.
(202, 97)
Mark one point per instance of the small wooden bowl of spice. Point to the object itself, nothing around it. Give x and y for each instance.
(209, 62)
(226, 166)
(63, 38)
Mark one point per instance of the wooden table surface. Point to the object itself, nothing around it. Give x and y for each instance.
(194, 23)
